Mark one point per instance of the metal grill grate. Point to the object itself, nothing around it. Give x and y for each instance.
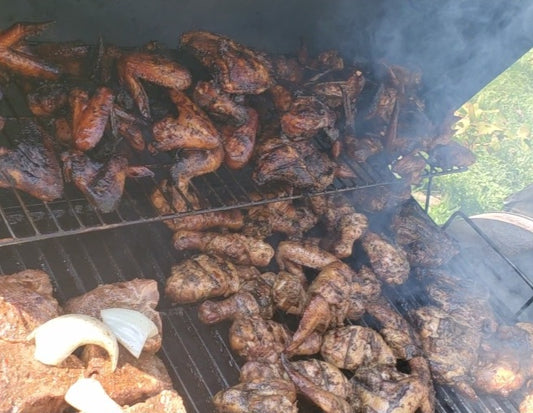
(197, 356)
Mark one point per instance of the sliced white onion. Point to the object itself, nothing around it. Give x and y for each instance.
(88, 396)
(132, 328)
(56, 339)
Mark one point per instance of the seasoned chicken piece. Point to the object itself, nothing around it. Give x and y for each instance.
(239, 142)
(192, 129)
(89, 116)
(257, 339)
(134, 380)
(20, 62)
(362, 148)
(343, 224)
(128, 127)
(389, 262)
(425, 243)
(238, 69)
(306, 116)
(26, 302)
(71, 58)
(452, 348)
(257, 396)
(381, 198)
(168, 401)
(451, 155)
(263, 370)
(292, 256)
(236, 247)
(321, 382)
(287, 68)
(204, 276)
(101, 182)
(350, 347)
(282, 216)
(133, 67)
(396, 331)
(32, 165)
(298, 164)
(281, 97)
(386, 390)
(48, 98)
(253, 298)
(410, 167)
(218, 104)
(167, 199)
(289, 293)
(364, 287)
(340, 88)
(138, 294)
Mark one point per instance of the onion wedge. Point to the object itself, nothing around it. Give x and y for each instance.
(88, 396)
(132, 328)
(56, 339)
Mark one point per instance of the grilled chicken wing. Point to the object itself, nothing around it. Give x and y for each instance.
(298, 164)
(253, 298)
(236, 247)
(47, 98)
(386, 390)
(353, 346)
(236, 68)
(204, 276)
(168, 200)
(157, 69)
(321, 382)
(89, 116)
(306, 116)
(128, 127)
(389, 262)
(19, 61)
(257, 339)
(292, 256)
(239, 142)
(101, 182)
(219, 104)
(257, 396)
(32, 165)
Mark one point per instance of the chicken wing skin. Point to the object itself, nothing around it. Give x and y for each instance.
(239, 142)
(154, 68)
(20, 62)
(237, 69)
(219, 104)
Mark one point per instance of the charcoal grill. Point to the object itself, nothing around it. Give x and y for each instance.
(81, 247)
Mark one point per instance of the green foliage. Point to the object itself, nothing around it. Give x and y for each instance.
(497, 126)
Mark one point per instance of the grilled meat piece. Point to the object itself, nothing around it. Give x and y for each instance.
(343, 223)
(282, 216)
(386, 390)
(239, 142)
(128, 127)
(353, 346)
(381, 198)
(32, 165)
(257, 396)
(410, 168)
(340, 88)
(47, 99)
(191, 130)
(138, 294)
(451, 155)
(71, 58)
(362, 148)
(133, 67)
(287, 68)
(19, 61)
(26, 302)
(204, 276)
(133, 381)
(168, 401)
(257, 339)
(236, 247)
(167, 199)
(452, 348)
(30, 386)
(289, 293)
(89, 116)
(238, 69)
(298, 164)
(219, 104)
(322, 383)
(306, 116)
(281, 97)
(101, 182)
(292, 256)
(253, 298)
(388, 261)
(425, 243)
(263, 370)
